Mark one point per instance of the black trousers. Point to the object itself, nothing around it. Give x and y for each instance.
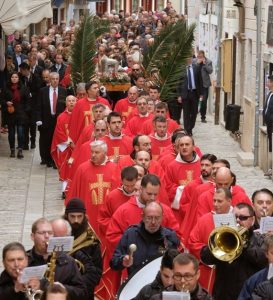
(190, 110)
(203, 108)
(30, 129)
(46, 135)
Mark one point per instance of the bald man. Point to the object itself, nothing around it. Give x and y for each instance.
(61, 147)
(224, 178)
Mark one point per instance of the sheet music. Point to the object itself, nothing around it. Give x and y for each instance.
(31, 272)
(176, 296)
(224, 220)
(60, 244)
(266, 224)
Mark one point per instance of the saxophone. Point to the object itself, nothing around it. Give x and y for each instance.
(50, 273)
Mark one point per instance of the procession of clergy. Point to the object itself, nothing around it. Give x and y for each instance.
(137, 187)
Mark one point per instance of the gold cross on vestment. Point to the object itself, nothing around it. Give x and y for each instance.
(97, 198)
(189, 178)
(88, 116)
(128, 112)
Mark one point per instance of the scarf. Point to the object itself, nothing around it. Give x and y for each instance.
(16, 97)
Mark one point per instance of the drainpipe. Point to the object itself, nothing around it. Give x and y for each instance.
(258, 81)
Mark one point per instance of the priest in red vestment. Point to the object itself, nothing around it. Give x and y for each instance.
(118, 143)
(206, 164)
(126, 106)
(82, 154)
(161, 109)
(202, 230)
(99, 112)
(82, 114)
(134, 125)
(184, 169)
(160, 139)
(61, 144)
(93, 181)
(191, 213)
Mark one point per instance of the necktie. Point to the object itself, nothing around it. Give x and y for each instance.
(54, 101)
(189, 78)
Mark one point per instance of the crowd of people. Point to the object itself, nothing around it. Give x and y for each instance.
(135, 184)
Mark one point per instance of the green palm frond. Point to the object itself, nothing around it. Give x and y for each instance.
(168, 54)
(173, 68)
(84, 48)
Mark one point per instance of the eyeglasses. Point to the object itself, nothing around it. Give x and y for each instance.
(44, 232)
(242, 218)
(135, 69)
(187, 277)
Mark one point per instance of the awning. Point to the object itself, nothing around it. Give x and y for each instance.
(18, 14)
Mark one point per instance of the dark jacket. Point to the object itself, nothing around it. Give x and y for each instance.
(19, 117)
(61, 71)
(268, 109)
(251, 284)
(264, 291)
(91, 258)
(182, 89)
(149, 245)
(156, 287)
(66, 272)
(198, 294)
(7, 288)
(230, 277)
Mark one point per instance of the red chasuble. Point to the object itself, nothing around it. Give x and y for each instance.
(82, 116)
(148, 127)
(118, 146)
(92, 183)
(205, 201)
(178, 174)
(134, 125)
(125, 108)
(85, 136)
(60, 137)
(198, 239)
(130, 213)
(158, 145)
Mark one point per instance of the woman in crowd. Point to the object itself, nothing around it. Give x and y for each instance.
(15, 102)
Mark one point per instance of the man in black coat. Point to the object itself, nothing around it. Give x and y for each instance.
(86, 247)
(59, 66)
(185, 276)
(51, 103)
(65, 269)
(189, 93)
(230, 276)
(268, 112)
(150, 238)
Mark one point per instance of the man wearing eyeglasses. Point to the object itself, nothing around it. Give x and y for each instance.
(185, 276)
(150, 238)
(66, 270)
(230, 277)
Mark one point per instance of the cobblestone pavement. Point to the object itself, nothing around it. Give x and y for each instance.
(29, 191)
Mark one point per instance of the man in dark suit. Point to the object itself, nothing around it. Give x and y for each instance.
(18, 57)
(51, 103)
(189, 93)
(59, 66)
(268, 112)
(31, 77)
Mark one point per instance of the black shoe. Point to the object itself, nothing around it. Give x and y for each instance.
(54, 166)
(43, 162)
(12, 153)
(203, 121)
(26, 147)
(33, 146)
(63, 195)
(20, 154)
(49, 164)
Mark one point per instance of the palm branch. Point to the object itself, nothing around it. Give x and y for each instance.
(169, 54)
(84, 48)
